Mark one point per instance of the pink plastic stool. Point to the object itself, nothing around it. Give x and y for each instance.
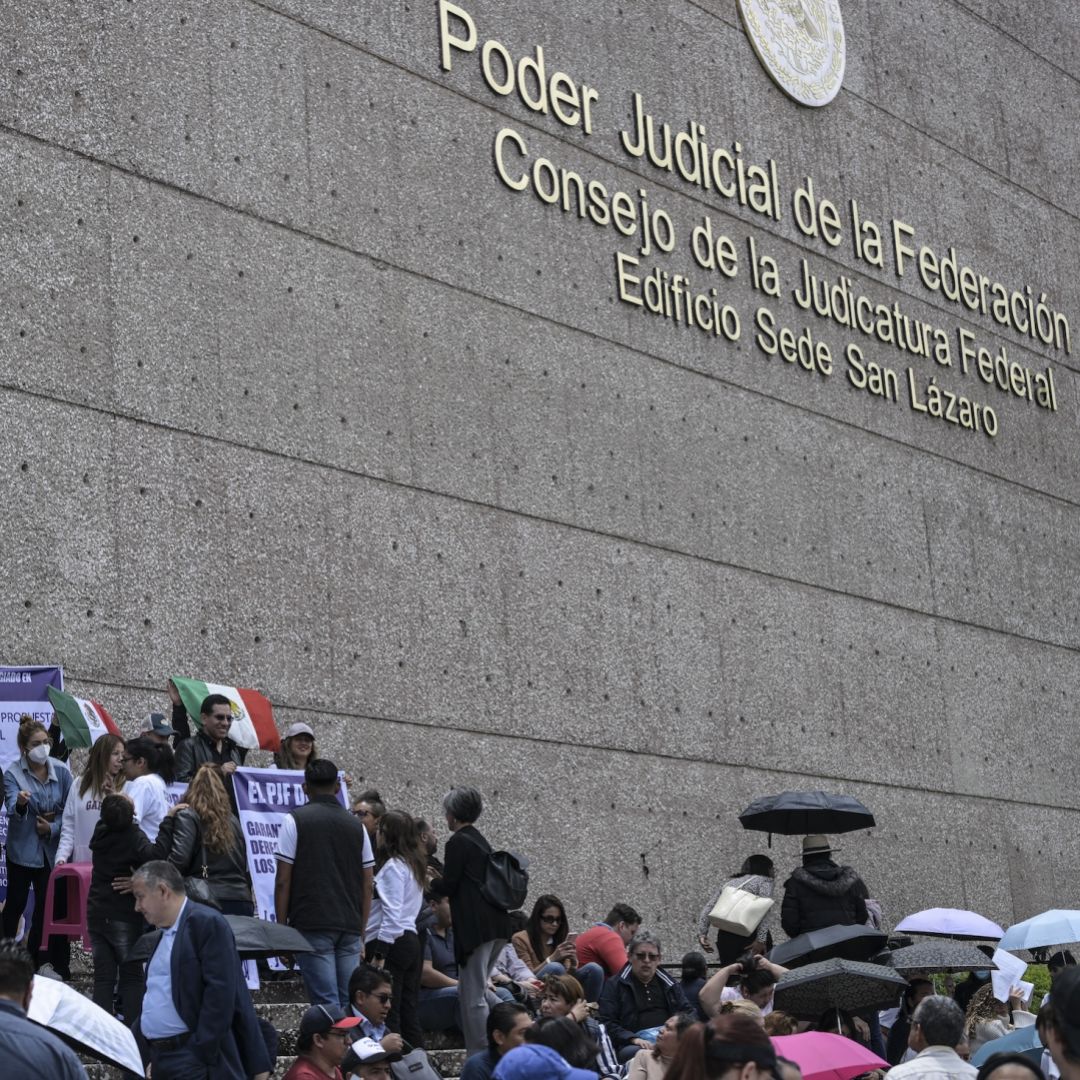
(76, 880)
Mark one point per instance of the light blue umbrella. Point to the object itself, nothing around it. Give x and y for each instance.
(1050, 928)
(1024, 1041)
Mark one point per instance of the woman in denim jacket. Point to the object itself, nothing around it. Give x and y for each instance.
(36, 787)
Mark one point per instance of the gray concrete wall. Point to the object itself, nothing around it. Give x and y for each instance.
(296, 394)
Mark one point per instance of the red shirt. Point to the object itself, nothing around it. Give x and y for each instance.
(304, 1069)
(602, 945)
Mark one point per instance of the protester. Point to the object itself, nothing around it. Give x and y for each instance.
(367, 1060)
(480, 929)
(534, 1061)
(323, 884)
(937, 1027)
(510, 975)
(780, 1023)
(1062, 1025)
(564, 997)
(642, 997)
(571, 1041)
(757, 978)
(601, 950)
(507, 1023)
(82, 808)
(149, 768)
(117, 847)
(1003, 1066)
(543, 944)
(391, 927)
(692, 978)
(975, 981)
(821, 893)
(26, 1048)
(987, 1018)
(204, 839)
(297, 748)
(197, 1017)
(731, 1047)
(439, 1009)
(371, 994)
(897, 1044)
(431, 845)
(369, 807)
(212, 744)
(157, 729)
(36, 788)
(322, 1041)
(654, 1064)
(756, 876)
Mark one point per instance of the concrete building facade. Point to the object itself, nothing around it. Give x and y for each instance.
(372, 355)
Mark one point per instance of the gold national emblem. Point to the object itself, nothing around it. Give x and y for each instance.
(800, 43)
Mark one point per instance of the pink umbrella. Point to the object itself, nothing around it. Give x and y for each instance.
(823, 1056)
(950, 922)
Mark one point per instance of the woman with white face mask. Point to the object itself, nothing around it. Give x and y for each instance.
(35, 790)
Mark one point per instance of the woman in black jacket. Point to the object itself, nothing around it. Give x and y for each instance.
(204, 839)
(480, 930)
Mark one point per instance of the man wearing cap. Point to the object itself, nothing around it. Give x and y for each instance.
(157, 729)
(820, 893)
(367, 1060)
(321, 1043)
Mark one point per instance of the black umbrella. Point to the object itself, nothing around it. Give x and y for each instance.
(255, 938)
(799, 813)
(837, 984)
(845, 942)
(934, 957)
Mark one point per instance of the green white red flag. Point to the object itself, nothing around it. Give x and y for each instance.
(253, 719)
(81, 721)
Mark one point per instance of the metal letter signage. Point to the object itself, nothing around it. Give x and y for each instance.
(800, 43)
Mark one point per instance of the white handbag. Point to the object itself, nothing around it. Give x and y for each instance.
(738, 911)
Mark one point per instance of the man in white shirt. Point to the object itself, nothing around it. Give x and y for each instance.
(937, 1026)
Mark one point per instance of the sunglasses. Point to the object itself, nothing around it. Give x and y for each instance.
(385, 999)
(646, 956)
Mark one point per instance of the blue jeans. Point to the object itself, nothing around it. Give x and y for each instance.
(552, 967)
(326, 971)
(591, 977)
(438, 1009)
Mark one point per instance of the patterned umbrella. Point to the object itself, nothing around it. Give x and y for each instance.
(846, 942)
(950, 922)
(837, 984)
(932, 957)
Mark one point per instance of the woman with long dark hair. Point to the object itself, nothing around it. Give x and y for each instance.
(149, 768)
(756, 876)
(542, 945)
(203, 839)
(392, 942)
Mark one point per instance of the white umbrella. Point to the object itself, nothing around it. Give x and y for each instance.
(80, 1022)
(1056, 927)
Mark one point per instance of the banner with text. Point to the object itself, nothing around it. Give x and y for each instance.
(263, 798)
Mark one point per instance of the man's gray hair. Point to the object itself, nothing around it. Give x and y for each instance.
(160, 872)
(644, 937)
(941, 1020)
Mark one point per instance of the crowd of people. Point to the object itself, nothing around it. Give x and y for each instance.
(400, 943)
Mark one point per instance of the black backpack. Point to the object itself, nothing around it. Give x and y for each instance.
(506, 879)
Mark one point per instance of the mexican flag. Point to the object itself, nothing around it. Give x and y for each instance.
(253, 719)
(82, 722)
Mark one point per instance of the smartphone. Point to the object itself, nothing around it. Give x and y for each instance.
(571, 938)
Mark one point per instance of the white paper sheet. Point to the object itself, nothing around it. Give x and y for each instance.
(1010, 973)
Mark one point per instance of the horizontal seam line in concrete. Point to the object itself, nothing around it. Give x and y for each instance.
(693, 197)
(540, 316)
(562, 743)
(649, 545)
(1017, 41)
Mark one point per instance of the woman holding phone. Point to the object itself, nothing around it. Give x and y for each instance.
(546, 945)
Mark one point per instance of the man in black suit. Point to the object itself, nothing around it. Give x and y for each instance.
(197, 1020)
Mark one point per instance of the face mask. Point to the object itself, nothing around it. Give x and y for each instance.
(39, 754)
(982, 976)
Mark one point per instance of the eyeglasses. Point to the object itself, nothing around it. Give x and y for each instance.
(225, 718)
(646, 956)
(361, 813)
(385, 999)
(551, 918)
